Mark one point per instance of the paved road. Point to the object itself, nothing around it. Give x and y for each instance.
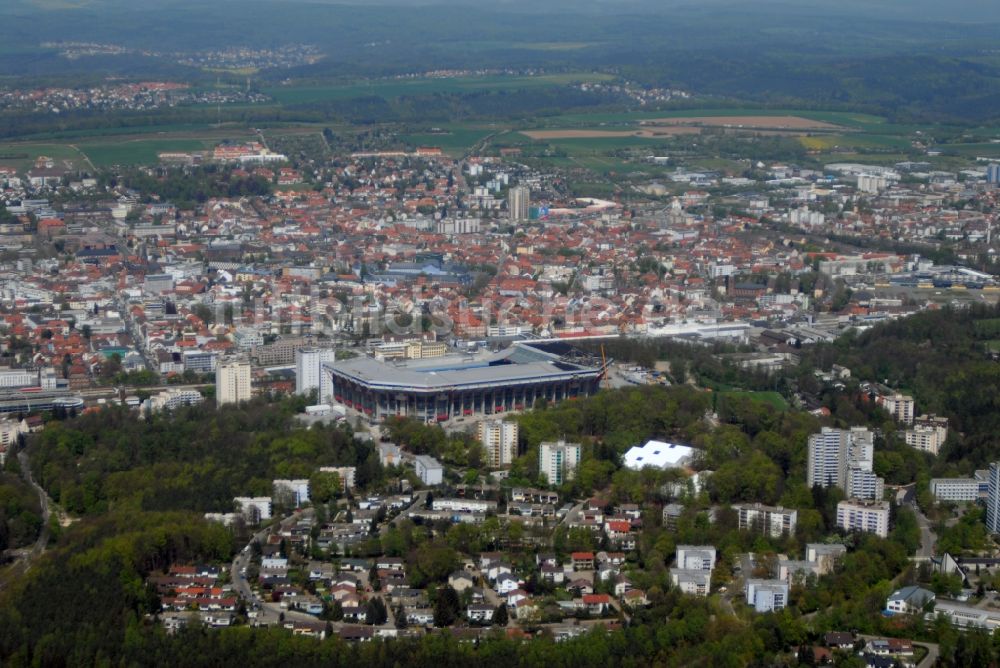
(268, 612)
(43, 500)
(928, 539)
(419, 499)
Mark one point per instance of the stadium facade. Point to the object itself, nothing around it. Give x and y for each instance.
(444, 388)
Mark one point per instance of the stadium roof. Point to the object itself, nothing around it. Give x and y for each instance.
(522, 363)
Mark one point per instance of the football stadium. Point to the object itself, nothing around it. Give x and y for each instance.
(443, 388)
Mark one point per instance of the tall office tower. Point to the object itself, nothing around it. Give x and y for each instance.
(834, 452)
(309, 374)
(557, 461)
(232, 382)
(993, 174)
(993, 499)
(519, 203)
(500, 440)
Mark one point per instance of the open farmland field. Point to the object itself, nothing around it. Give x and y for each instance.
(592, 134)
(22, 156)
(139, 151)
(750, 122)
(836, 118)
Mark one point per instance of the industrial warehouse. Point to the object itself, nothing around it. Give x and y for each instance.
(453, 386)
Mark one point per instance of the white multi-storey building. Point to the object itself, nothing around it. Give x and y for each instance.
(429, 470)
(900, 406)
(766, 519)
(346, 474)
(173, 398)
(557, 461)
(309, 374)
(928, 434)
(993, 499)
(696, 557)
(232, 382)
(499, 438)
(862, 484)
(519, 203)
(296, 491)
(255, 508)
(959, 490)
(834, 452)
(867, 516)
(767, 595)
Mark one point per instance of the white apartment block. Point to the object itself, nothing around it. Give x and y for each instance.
(959, 490)
(768, 520)
(255, 508)
(691, 582)
(862, 484)
(296, 491)
(172, 399)
(557, 461)
(499, 438)
(309, 374)
(767, 595)
(346, 474)
(232, 382)
(429, 470)
(867, 516)
(695, 557)
(928, 434)
(900, 406)
(833, 452)
(993, 499)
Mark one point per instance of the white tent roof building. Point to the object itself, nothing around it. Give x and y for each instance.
(660, 455)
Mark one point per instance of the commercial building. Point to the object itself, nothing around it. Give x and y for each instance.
(767, 595)
(962, 615)
(19, 378)
(557, 461)
(867, 516)
(658, 454)
(200, 361)
(232, 382)
(446, 387)
(309, 374)
(499, 438)
(993, 498)
(429, 470)
(769, 520)
(519, 203)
